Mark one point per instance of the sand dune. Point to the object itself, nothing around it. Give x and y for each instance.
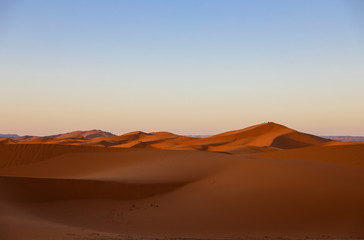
(86, 134)
(6, 141)
(24, 138)
(75, 135)
(267, 136)
(274, 183)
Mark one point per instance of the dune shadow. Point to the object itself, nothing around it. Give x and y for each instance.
(20, 189)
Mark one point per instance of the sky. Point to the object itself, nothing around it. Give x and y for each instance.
(184, 66)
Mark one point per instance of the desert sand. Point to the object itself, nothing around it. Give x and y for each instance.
(265, 181)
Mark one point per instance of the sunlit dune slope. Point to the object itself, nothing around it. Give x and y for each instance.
(86, 134)
(139, 140)
(64, 137)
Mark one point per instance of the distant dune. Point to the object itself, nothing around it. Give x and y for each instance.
(262, 182)
(345, 138)
(266, 136)
(258, 138)
(8, 135)
(199, 136)
(6, 141)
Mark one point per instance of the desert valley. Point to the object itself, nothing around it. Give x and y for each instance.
(264, 181)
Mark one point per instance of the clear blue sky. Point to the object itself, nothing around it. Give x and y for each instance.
(185, 66)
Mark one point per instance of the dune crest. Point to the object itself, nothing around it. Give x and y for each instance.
(258, 138)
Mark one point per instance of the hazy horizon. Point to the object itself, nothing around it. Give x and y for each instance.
(192, 135)
(187, 67)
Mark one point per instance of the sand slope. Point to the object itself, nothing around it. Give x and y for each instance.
(348, 153)
(19, 154)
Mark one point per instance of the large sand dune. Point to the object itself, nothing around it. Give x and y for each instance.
(258, 138)
(274, 183)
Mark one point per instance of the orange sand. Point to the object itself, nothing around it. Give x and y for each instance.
(263, 181)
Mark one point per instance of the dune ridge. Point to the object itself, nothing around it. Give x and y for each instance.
(258, 138)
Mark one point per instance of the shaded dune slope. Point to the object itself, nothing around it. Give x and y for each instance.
(22, 189)
(297, 140)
